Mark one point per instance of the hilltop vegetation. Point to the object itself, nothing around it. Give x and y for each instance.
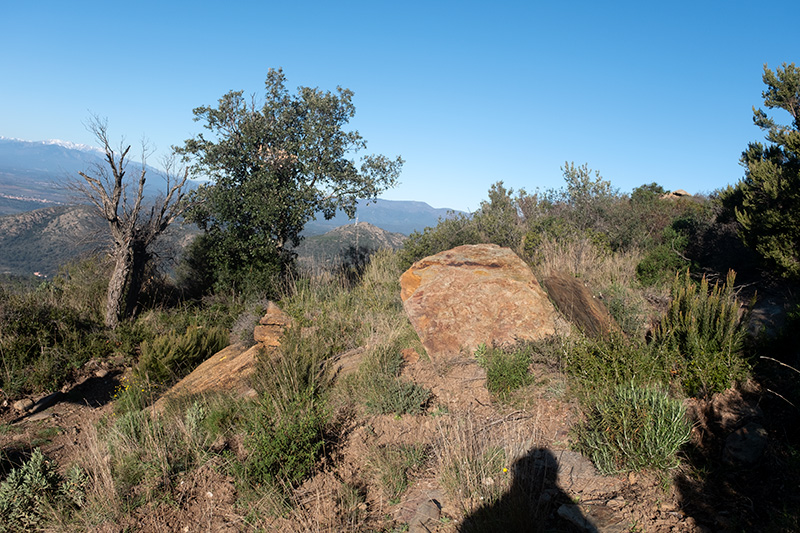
(653, 404)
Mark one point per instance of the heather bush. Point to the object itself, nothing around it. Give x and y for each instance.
(506, 369)
(169, 357)
(704, 331)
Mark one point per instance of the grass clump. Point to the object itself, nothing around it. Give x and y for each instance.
(506, 370)
(633, 428)
(392, 395)
(393, 463)
(473, 463)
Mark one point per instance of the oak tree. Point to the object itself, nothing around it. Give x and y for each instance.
(272, 166)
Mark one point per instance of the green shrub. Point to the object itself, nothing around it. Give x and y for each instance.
(169, 357)
(499, 220)
(506, 370)
(661, 262)
(286, 443)
(628, 308)
(606, 363)
(633, 428)
(704, 332)
(378, 383)
(33, 488)
(450, 232)
(387, 394)
(43, 342)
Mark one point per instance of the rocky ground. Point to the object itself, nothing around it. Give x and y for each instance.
(718, 489)
(739, 473)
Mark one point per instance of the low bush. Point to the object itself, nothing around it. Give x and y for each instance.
(704, 331)
(284, 442)
(659, 265)
(633, 428)
(603, 364)
(387, 394)
(450, 232)
(32, 489)
(43, 342)
(169, 357)
(628, 307)
(506, 370)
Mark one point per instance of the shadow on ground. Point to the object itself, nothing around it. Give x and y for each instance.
(764, 495)
(531, 502)
(93, 392)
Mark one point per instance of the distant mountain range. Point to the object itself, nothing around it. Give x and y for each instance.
(39, 242)
(42, 226)
(34, 175)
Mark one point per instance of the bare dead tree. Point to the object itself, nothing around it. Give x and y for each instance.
(134, 227)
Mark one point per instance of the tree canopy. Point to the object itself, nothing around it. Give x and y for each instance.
(767, 200)
(272, 167)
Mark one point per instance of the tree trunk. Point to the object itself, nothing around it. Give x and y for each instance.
(138, 270)
(123, 261)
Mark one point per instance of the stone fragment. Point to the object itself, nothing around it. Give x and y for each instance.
(577, 474)
(41, 415)
(426, 517)
(745, 445)
(23, 405)
(593, 518)
(345, 363)
(472, 295)
(410, 355)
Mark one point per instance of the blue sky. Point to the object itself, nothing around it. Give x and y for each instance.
(468, 93)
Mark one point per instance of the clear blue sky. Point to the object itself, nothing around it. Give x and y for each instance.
(468, 93)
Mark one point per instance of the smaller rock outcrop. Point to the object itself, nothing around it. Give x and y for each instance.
(746, 445)
(579, 306)
(230, 369)
(676, 194)
(472, 295)
(271, 326)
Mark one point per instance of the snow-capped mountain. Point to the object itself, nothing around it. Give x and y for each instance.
(34, 174)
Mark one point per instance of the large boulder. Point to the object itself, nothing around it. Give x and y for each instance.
(472, 295)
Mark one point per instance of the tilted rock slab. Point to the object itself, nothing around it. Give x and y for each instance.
(229, 370)
(579, 306)
(472, 295)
